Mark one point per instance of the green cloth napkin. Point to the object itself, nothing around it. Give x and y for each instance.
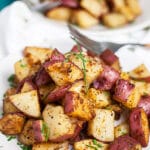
(4, 3)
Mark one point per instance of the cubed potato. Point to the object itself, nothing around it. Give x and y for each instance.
(78, 106)
(121, 129)
(64, 73)
(28, 103)
(83, 19)
(102, 126)
(93, 66)
(8, 107)
(27, 135)
(61, 126)
(95, 7)
(106, 79)
(22, 69)
(114, 20)
(139, 127)
(51, 146)
(126, 11)
(125, 142)
(100, 98)
(12, 124)
(134, 6)
(36, 55)
(59, 13)
(116, 4)
(140, 73)
(109, 58)
(90, 144)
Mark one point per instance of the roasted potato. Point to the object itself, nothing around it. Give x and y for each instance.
(99, 98)
(116, 5)
(61, 126)
(27, 135)
(59, 13)
(83, 19)
(102, 126)
(90, 144)
(122, 129)
(28, 103)
(12, 124)
(95, 7)
(51, 146)
(140, 73)
(114, 20)
(125, 142)
(139, 127)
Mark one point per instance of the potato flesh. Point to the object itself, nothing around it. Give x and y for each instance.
(102, 126)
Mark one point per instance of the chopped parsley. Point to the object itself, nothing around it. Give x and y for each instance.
(24, 147)
(45, 131)
(95, 145)
(22, 64)
(11, 80)
(9, 138)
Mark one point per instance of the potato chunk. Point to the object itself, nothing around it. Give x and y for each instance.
(114, 20)
(59, 13)
(28, 103)
(61, 126)
(88, 144)
(102, 126)
(12, 123)
(83, 19)
(95, 7)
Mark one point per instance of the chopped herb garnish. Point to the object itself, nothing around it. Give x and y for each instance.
(9, 138)
(45, 131)
(11, 80)
(145, 94)
(4, 95)
(23, 65)
(95, 148)
(24, 147)
(97, 144)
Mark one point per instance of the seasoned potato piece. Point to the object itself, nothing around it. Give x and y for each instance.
(27, 103)
(139, 128)
(60, 13)
(121, 129)
(8, 107)
(22, 69)
(78, 106)
(61, 126)
(114, 20)
(140, 73)
(125, 143)
(51, 146)
(64, 73)
(35, 55)
(12, 124)
(27, 136)
(93, 65)
(102, 126)
(127, 13)
(95, 7)
(116, 4)
(90, 144)
(134, 6)
(100, 98)
(83, 19)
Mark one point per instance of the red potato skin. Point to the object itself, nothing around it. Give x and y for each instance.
(107, 79)
(124, 142)
(57, 56)
(135, 124)
(108, 57)
(76, 49)
(37, 126)
(145, 104)
(42, 77)
(122, 90)
(91, 53)
(70, 3)
(28, 80)
(57, 94)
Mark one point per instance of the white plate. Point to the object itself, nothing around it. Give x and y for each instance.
(142, 21)
(6, 69)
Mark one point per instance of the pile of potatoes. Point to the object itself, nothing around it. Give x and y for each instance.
(87, 13)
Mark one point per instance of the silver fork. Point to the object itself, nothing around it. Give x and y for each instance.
(44, 6)
(95, 46)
